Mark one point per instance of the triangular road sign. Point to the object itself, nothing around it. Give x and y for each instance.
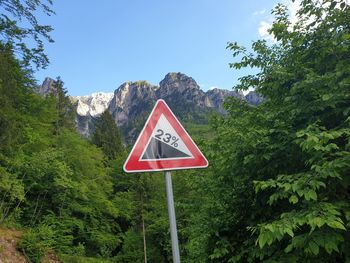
(163, 144)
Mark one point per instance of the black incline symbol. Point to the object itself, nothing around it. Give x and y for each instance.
(157, 149)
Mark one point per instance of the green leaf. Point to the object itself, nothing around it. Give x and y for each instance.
(289, 248)
(293, 199)
(336, 224)
(314, 248)
(313, 195)
(289, 231)
(262, 240)
(331, 246)
(318, 221)
(326, 97)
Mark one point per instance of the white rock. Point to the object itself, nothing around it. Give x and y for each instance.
(93, 104)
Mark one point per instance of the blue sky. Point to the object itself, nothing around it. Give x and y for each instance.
(101, 44)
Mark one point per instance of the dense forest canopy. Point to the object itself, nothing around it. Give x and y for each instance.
(278, 186)
(281, 186)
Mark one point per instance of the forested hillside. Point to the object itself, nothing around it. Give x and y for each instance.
(277, 188)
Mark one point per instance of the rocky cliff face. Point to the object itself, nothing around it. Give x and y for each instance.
(177, 86)
(93, 104)
(218, 96)
(131, 102)
(254, 98)
(47, 87)
(89, 108)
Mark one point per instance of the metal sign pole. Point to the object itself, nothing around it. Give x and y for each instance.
(172, 218)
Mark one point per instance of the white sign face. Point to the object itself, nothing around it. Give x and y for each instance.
(165, 143)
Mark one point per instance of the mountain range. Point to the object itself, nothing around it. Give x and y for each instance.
(131, 102)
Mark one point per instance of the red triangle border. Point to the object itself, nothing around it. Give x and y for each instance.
(133, 163)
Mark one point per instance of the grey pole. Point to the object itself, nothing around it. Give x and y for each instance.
(172, 218)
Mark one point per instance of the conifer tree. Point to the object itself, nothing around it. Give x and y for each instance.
(65, 110)
(107, 136)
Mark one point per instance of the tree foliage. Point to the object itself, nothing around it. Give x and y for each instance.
(19, 23)
(280, 173)
(65, 112)
(107, 136)
(52, 180)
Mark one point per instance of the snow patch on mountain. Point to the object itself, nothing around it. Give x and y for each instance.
(93, 104)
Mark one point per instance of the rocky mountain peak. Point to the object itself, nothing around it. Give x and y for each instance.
(177, 81)
(47, 87)
(177, 88)
(133, 84)
(130, 96)
(129, 91)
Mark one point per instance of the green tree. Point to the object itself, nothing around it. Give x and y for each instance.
(107, 136)
(17, 103)
(65, 112)
(58, 187)
(12, 81)
(18, 23)
(279, 184)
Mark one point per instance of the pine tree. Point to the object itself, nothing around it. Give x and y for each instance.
(65, 110)
(107, 136)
